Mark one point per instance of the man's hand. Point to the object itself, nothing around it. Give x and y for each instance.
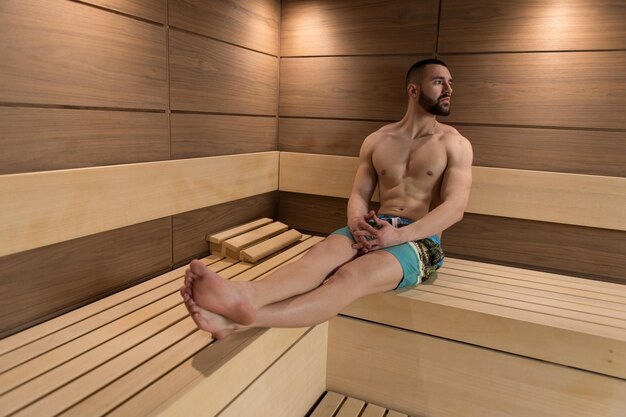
(373, 234)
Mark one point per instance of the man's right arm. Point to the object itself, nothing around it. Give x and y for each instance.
(365, 182)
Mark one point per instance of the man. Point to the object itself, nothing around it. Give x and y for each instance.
(423, 169)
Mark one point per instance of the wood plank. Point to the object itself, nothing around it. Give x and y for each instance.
(351, 408)
(592, 347)
(291, 385)
(356, 99)
(418, 374)
(329, 405)
(490, 91)
(102, 59)
(198, 135)
(392, 413)
(205, 75)
(532, 26)
(250, 24)
(233, 246)
(358, 27)
(584, 200)
(556, 150)
(58, 205)
(42, 283)
(223, 235)
(261, 250)
(190, 228)
(155, 10)
(372, 410)
(47, 139)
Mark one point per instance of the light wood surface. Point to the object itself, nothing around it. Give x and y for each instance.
(233, 246)
(155, 10)
(58, 205)
(372, 410)
(351, 408)
(198, 135)
(358, 27)
(418, 374)
(585, 200)
(253, 25)
(329, 405)
(211, 76)
(534, 25)
(100, 59)
(259, 251)
(223, 235)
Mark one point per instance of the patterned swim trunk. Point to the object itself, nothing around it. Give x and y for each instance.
(419, 259)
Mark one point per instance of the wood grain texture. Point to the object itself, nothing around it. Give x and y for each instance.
(554, 150)
(154, 10)
(253, 24)
(190, 228)
(197, 135)
(418, 374)
(573, 250)
(324, 136)
(521, 25)
(208, 75)
(549, 89)
(358, 27)
(100, 59)
(44, 282)
(344, 87)
(49, 139)
(55, 206)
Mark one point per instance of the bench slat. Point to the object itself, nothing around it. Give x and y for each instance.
(233, 246)
(351, 408)
(259, 251)
(392, 413)
(329, 405)
(372, 410)
(216, 240)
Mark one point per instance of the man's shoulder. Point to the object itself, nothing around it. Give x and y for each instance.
(452, 136)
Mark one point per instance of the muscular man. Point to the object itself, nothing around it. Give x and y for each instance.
(423, 169)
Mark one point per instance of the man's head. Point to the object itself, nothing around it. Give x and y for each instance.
(430, 83)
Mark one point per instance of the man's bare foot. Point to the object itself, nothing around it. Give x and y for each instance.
(217, 295)
(219, 327)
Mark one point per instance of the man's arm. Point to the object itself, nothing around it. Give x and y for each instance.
(364, 184)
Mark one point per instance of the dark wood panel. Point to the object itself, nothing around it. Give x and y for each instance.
(253, 24)
(556, 150)
(571, 250)
(148, 9)
(324, 136)
(358, 27)
(63, 52)
(531, 25)
(197, 135)
(344, 87)
(314, 213)
(208, 75)
(45, 139)
(191, 228)
(44, 282)
(577, 89)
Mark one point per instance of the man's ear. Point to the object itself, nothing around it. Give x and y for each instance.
(412, 90)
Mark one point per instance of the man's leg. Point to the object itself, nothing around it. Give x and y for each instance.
(239, 301)
(376, 272)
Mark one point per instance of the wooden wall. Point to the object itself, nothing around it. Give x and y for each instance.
(108, 82)
(537, 86)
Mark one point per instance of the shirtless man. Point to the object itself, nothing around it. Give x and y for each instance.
(423, 169)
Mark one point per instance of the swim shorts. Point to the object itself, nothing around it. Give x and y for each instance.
(419, 259)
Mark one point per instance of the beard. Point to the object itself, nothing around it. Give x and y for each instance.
(434, 107)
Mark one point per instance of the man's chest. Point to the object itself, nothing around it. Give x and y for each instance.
(416, 161)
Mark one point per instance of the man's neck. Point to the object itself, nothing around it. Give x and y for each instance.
(417, 122)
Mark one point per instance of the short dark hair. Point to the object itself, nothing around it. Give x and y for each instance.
(416, 69)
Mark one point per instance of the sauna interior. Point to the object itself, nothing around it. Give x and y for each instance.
(133, 130)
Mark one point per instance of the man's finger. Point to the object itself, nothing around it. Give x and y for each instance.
(366, 226)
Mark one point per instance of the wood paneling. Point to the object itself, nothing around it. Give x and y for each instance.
(324, 136)
(197, 135)
(572, 250)
(53, 206)
(358, 27)
(48, 139)
(418, 374)
(63, 52)
(575, 89)
(535, 25)
(147, 9)
(253, 24)
(583, 200)
(208, 75)
(43, 282)
(555, 150)
(191, 228)
(344, 87)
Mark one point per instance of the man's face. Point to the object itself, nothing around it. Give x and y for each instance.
(436, 89)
